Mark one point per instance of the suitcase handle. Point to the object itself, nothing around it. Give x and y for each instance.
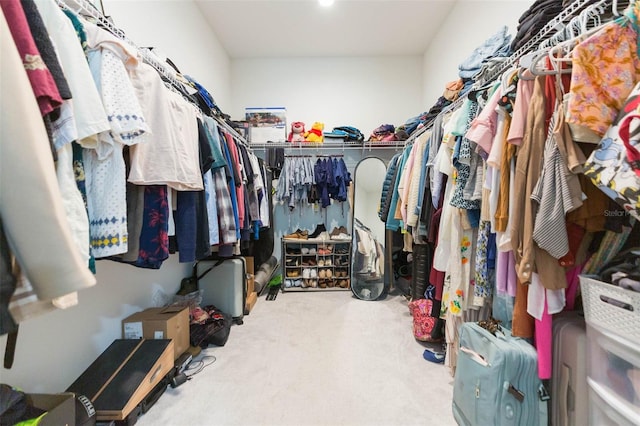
(563, 398)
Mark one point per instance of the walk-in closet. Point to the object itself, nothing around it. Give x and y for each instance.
(320, 212)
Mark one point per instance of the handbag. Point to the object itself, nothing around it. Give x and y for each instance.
(423, 322)
(614, 166)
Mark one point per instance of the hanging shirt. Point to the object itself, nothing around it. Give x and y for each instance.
(105, 167)
(168, 154)
(605, 68)
(32, 214)
(88, 111)
(42, 82)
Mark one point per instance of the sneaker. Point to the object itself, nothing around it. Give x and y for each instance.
(436, 357)
(306, 273)
(313, 274)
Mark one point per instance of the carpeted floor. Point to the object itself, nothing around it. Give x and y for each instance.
(323, 358)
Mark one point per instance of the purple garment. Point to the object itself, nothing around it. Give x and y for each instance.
(506, 273)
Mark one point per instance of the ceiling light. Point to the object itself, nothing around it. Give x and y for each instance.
(325, 3)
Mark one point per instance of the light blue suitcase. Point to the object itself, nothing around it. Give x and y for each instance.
(224, 284)
(496, 380)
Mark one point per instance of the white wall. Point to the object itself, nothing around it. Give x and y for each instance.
(467, 26)
(178, 30)
(360, 92)
(53, 350)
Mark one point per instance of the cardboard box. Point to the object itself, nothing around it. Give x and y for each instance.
(250, 269)
(248, 260)
(251, 301)
(171, 322)
(60, 408)
(252, 296)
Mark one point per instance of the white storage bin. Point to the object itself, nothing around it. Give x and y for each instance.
(614, 364)
(611, 308)
(605, 409)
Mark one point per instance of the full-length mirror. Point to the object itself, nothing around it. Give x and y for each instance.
(367, 272)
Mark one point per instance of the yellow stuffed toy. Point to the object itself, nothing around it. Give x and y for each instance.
(315, 134)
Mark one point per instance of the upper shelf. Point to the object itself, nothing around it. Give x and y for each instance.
(397, 145)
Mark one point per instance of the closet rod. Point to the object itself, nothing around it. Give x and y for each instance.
(313, 146)
(162, 69)
(555, 24)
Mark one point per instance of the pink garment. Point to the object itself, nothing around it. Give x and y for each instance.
(520, 111)
(543, 343)
(42, 82)
(544, 330)
(235, 158)
(483, 127)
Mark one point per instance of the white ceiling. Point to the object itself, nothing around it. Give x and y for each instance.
(298, 28)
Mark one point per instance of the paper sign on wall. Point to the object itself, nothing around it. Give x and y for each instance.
(267, 124)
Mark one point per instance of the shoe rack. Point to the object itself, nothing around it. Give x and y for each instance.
(312, 265)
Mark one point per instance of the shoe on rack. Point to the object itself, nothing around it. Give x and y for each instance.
(320, 228)
(295, 235)
(340, 234)
(313, 274)
(324, 236)
(334, 232)
(306, 273)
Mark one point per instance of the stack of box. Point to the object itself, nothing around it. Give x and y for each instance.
(613, 334)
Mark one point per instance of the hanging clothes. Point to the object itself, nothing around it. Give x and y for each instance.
(51, 261)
